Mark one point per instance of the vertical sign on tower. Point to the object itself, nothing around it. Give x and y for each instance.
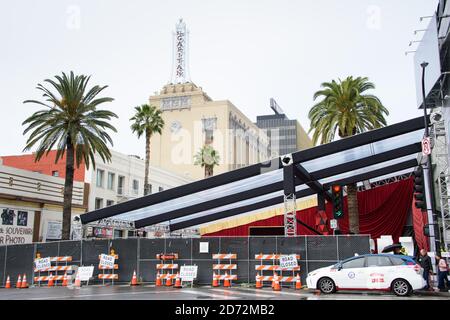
(180, 70)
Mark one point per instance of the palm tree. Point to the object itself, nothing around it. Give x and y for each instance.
(72, 123)
(208, 158)
(147, 120)
(345, 108)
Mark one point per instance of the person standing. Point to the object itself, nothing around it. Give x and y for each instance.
(425, 262)
(442, 273)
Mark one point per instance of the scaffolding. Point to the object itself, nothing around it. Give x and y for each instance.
(290, 210)
(440, 157)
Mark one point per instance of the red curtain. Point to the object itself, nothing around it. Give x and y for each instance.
(383, 211)
(420, 219)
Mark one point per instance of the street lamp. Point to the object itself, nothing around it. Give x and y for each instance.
(428, 176)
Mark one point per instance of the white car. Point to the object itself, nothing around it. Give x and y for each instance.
(385, 272)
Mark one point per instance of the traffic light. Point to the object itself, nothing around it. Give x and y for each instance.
(337, 196)
(419, 189)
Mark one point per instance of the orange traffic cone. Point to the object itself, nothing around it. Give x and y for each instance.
(158, 280)
(226, 282)
(273, 279)
(276, 286)
(8, 283)
(298, 282)
(64, 283)
(259, 284)
(134, 279)
(19, 282)
(24, 282)
(168, 280)
(50, 283)
(178, 282)
(215, 283)
(77, 281)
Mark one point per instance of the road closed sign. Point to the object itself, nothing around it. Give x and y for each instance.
(42, 264)
(85, 273)
(188, 273)
(106, 261)
(288, 261)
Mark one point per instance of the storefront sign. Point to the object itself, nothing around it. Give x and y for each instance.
(103, 232)
(289, 261)
(43, 263)
(106, 261)
(16, 226)
(188, 273)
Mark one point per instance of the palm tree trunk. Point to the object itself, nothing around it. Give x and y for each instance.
(147, 163)
(206, 172)
(68, 189)
(353, 214)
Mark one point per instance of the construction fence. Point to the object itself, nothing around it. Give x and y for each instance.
(140, 254)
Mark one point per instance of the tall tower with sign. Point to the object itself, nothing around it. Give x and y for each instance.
(180, 63)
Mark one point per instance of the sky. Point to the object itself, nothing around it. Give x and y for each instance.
(246, 51)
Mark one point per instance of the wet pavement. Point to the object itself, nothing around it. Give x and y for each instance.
(150, 292)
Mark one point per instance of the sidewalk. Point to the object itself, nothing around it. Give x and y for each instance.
(435, 293)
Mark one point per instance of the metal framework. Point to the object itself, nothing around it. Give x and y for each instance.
(290, 210)
(440, 155)
(386, 152)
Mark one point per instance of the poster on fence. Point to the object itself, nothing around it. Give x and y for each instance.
(16, 226)
(288, 261)
(188, 273)
(107, 261)
(42, 264)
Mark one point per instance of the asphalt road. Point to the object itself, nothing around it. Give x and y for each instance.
(150, 292)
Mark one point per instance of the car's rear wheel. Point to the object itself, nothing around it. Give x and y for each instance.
(326, 285)
(401, 287)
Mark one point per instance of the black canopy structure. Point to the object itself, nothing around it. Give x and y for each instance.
(377, 154)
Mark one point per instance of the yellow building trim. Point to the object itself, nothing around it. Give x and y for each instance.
(59, 208)
(18, 203)
(246, 219)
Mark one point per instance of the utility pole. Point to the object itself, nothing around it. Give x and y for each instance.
(428, 178)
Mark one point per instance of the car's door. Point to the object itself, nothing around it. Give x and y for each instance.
(379, 272)
(351, 275)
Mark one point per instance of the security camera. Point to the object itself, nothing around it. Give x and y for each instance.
(77, 218)
(435, 117)
(286, 160)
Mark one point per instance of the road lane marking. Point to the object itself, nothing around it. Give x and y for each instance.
(256, 294)
(102, 295)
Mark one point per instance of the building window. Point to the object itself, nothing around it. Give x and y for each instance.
(120, 184)
(111, 177)
(135, 187)
(100, 175)
(118, 234)
(161, 189)
(209, 125)
(55, 173)
(109, 203)
(98, 203)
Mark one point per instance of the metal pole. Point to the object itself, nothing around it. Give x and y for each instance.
(428, 176)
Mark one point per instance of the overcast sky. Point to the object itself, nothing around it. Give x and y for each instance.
(245, 51)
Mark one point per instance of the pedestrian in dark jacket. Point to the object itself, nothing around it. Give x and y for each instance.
(425, 262)
(442, 274)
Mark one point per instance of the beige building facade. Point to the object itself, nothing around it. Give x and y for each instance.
(192, 120)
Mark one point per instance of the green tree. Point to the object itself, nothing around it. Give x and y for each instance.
(147, 121)
(207, 157)
(72, 123)
(347, 109)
